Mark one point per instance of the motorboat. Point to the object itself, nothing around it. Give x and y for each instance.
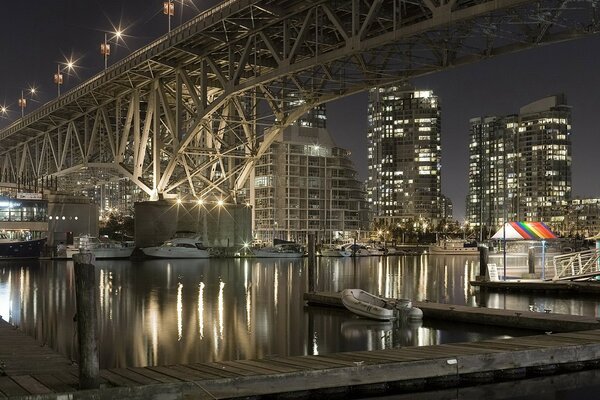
(284, 250)
(102, 249)
(334, 251)
(181, 247)
(363, 250)
(454, 247)
(15, 248)
(368, 305)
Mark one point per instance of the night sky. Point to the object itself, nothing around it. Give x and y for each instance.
(36, 35)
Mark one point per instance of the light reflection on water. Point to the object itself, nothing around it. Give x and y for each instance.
(181, 311)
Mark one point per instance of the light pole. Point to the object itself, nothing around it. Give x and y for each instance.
(169, 10)
(58, 76)
(23, 101)
(105, 46)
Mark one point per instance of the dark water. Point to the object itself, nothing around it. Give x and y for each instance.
(182, 311)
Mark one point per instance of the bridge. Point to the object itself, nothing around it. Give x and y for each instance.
(193, 111)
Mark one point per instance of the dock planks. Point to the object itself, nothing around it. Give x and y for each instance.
(229, 379)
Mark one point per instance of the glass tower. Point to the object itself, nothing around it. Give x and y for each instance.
(520, 165)
(404, 155)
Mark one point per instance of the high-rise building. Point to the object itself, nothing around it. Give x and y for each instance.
(492, 173)
(520, 165)
(404, 155)
(306, 184)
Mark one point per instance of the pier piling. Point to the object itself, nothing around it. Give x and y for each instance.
(311, 262)
(87, 322)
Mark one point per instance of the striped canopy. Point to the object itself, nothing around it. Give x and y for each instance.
(524, 231)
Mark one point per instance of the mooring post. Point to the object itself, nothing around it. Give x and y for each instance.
(531, 260)
(484, 257)
(311, 262)
(87, 321)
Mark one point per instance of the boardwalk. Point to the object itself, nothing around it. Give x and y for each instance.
(34, 370)
(28, 367)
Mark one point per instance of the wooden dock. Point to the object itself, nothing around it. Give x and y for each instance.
(27, 367)
(339, 375)
(558, 287)
(538, 321)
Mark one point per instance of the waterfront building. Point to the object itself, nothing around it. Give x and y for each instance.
(581, 217)
(520, 166)
(306, 184)
(116, 196)
(492, 173)
(404, 156)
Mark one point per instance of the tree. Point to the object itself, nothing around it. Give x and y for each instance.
(117, 226)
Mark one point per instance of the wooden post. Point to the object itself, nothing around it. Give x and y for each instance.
(311, 262)
(87, 320)
(531, 260)
(484, 256)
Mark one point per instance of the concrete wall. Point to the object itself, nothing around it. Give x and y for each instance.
(70, 214)
(157, 221)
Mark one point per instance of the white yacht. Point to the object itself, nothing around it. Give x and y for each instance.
(285, 250)
(182, 247)
(100, 248)
(334, 251)
(454, 247)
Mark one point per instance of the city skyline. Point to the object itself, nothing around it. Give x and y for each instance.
(498, 86)
(572, 73)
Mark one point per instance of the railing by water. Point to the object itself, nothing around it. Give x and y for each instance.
(576, 266)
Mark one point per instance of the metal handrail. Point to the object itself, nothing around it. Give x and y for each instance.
(115, 69)
(574, 265)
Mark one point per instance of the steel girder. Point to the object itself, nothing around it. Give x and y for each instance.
(193, 111)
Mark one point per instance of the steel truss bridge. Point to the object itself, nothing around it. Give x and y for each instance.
(192, 112)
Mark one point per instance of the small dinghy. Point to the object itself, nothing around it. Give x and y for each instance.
(368, 305)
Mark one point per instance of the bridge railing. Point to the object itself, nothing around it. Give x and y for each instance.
(577, 265)
(122, 66)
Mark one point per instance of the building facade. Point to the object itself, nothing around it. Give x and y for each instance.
(404, 155)
(306, 184)
(520, 166)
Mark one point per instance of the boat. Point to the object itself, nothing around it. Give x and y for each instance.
(454, 247)
(334, 251)
(284, 250)
(363, 250)
(367, 305)
(102, 249)
(14, 248)
(181, 247)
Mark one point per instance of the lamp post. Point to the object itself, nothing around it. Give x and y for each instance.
(169, 10)
(58, 76)
(23, 101)
(3, 111)
(105, 46)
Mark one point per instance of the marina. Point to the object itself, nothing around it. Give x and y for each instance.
(194, 315)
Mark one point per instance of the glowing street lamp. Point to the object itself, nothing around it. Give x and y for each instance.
(58, 76)
(23, 101)
(3, 111)
(105, 46)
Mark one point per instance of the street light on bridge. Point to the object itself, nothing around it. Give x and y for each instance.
(23, 101)
(105, 46)
(169, 10)
(58, 76)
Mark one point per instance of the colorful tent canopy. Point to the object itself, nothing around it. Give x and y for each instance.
(524, 231)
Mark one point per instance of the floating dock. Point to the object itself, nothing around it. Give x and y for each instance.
(558, 287)
(338, 375)
(537, 321)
